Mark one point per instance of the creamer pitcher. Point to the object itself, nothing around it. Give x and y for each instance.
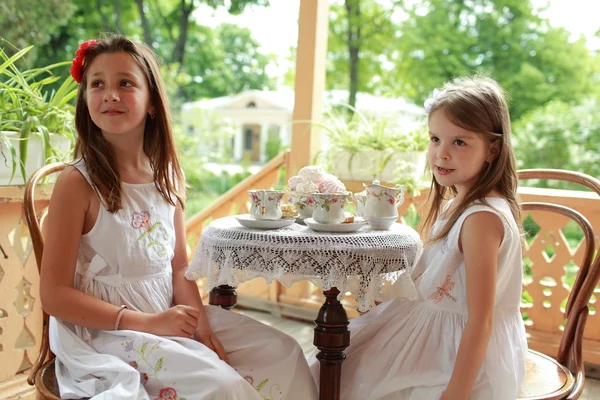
(382, 201)
(266, 204)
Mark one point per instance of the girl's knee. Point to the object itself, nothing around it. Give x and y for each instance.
(229, 384)
(284, 343)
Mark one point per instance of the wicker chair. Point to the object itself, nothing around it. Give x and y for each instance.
(563, 377)
(42, 374)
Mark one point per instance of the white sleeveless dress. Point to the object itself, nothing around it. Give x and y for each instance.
(405, 349)
(126, 259)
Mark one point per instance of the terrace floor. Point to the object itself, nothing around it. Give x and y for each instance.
(302, 331)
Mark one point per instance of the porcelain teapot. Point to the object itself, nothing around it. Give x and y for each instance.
(382, 201)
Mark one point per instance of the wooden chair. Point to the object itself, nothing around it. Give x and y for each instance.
(42, 374)
(563, 377)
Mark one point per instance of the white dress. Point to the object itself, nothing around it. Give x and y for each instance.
(126, 259)
(406, 349)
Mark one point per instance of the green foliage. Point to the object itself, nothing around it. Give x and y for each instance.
(560, 135)
(432, 41)
(374, 20)
(29, 108)
(204, 186)
(501, 38)
(214, 62)
(223, 61)
(361, 131)
(273, 147)
(26, 22)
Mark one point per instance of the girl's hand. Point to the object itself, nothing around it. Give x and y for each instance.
(176, 321)
(208, 338)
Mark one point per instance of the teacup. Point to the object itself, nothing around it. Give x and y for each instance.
(266, 204)
(361, 202)
(329, 207)
(304, 202)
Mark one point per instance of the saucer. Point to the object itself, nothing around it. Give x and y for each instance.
(250, 222)
(382, 223)
(343, 227)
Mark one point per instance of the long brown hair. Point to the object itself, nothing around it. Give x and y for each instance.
(476, 104)
(159, 145)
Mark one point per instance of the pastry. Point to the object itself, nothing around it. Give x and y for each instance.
(288, 211)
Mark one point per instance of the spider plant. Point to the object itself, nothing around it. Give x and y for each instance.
(363, 133)
(30, 109)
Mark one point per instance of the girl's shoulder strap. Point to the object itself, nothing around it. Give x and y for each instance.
(496, 205)
(82, 168)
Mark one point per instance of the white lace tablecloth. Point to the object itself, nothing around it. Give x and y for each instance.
(370, 264)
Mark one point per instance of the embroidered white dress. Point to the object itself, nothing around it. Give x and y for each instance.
(126, 259)
(406, 349)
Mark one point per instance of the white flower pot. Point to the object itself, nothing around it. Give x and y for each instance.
(35, 156)
(365, 165)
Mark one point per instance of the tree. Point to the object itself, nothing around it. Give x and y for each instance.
(21, 22)
(223, 61)
(409, 48)
(560, 135)
(358, 30)
(535, 63)
(205, 62)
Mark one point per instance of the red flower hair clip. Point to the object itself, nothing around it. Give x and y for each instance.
(77, 66)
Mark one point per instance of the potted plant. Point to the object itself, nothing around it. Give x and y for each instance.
(36, 123)
(365, 148)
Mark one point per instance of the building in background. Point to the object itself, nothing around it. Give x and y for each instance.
(263, 117)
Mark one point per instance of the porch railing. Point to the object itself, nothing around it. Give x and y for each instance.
(236, 201)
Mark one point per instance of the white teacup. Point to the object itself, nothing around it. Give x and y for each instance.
(304, 203)
(329, 207)
(361, 202)
(266, 204)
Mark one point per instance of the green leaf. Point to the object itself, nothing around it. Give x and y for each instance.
(23, 141)
(262, 385)
(143, 349)
(6, 144)
(159, 365)
(10, 61)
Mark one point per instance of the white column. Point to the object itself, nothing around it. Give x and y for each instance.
(238, 144)
(264, 136)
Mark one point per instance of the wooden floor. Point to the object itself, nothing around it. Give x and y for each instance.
(303, 332)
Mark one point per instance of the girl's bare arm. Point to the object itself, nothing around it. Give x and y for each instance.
(481, 236)
(69, 204)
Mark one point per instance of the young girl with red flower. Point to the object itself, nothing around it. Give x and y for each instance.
(125, 322)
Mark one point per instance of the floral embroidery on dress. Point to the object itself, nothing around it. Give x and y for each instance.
(143, 357)
(168, 393)
(262, 385)
(141, 220)
(445, 245)
(443, 290)
(143, 354)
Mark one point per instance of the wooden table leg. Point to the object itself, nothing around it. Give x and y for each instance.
(332, 336)
(224, 296)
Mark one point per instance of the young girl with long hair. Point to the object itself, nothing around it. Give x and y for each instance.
(126, 323)
(464, 337)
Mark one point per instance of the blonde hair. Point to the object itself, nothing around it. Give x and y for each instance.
(476, 104)
(159, 144)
